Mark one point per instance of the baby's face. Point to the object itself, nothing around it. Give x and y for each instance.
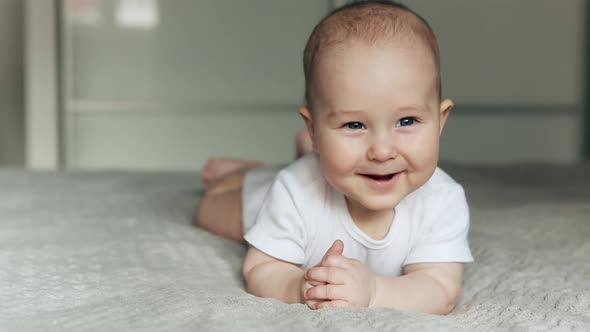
(376, 121)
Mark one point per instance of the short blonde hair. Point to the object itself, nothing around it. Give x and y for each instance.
(369, 21)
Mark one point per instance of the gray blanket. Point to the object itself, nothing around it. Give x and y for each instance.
(116, 251)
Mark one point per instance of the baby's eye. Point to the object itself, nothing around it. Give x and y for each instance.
(406, 121)
(354, 125)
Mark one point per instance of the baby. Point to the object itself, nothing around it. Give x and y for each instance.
(366, 219)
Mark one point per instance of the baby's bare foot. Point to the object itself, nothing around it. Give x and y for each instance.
(217, 168)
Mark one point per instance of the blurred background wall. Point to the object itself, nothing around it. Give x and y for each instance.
(148, 84)
(516, 72)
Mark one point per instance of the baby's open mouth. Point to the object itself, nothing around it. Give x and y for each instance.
(377, 177)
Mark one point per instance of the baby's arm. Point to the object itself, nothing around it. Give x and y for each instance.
(426, 287)
(430, 288)
(267, 276)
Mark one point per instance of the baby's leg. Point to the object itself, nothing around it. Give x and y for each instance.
(220, 209)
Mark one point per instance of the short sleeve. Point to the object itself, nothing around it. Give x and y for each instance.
(278, 230)
(442, 236)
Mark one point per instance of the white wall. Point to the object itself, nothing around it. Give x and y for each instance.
(505, 52)
(515, 70)
(214, 78)
(11, 84)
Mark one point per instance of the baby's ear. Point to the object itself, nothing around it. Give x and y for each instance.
(445, 110)
(306, 115)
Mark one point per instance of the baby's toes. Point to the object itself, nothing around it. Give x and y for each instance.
(207, 172)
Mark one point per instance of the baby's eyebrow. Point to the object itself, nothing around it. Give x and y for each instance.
(337, 113)
(408, 108)
(419, 108)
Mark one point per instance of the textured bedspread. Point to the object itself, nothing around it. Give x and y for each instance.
(116, 251)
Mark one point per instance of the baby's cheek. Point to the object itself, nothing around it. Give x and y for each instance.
(425, 156)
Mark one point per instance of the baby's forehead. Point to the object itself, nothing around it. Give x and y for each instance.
(392, 46)
(360, 58)
(374, 23)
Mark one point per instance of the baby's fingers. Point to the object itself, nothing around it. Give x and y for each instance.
(331, 275)
(332, 304)
(325, 292)
(313, 282)
(335, 261)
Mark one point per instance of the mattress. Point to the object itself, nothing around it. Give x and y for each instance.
(117, 250)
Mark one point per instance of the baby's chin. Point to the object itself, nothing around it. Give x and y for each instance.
(382, 205)
(379, 203)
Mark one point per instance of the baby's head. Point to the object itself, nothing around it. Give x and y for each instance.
(373, 102)
(371, 22)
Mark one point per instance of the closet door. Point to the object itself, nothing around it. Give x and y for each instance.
(151, 84)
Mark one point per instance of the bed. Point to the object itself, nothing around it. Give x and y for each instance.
(116, 251)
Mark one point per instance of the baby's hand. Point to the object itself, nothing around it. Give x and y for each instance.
(336, 249)
(347, 282)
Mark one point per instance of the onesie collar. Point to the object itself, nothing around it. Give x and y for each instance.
(356, 233)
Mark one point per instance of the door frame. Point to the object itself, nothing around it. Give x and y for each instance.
(42, 85)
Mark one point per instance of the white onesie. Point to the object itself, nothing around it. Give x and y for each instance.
(295, 215)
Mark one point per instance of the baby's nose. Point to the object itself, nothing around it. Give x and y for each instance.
(382, 149)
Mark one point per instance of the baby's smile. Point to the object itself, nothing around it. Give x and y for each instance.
(378, 177)
(381, 182)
